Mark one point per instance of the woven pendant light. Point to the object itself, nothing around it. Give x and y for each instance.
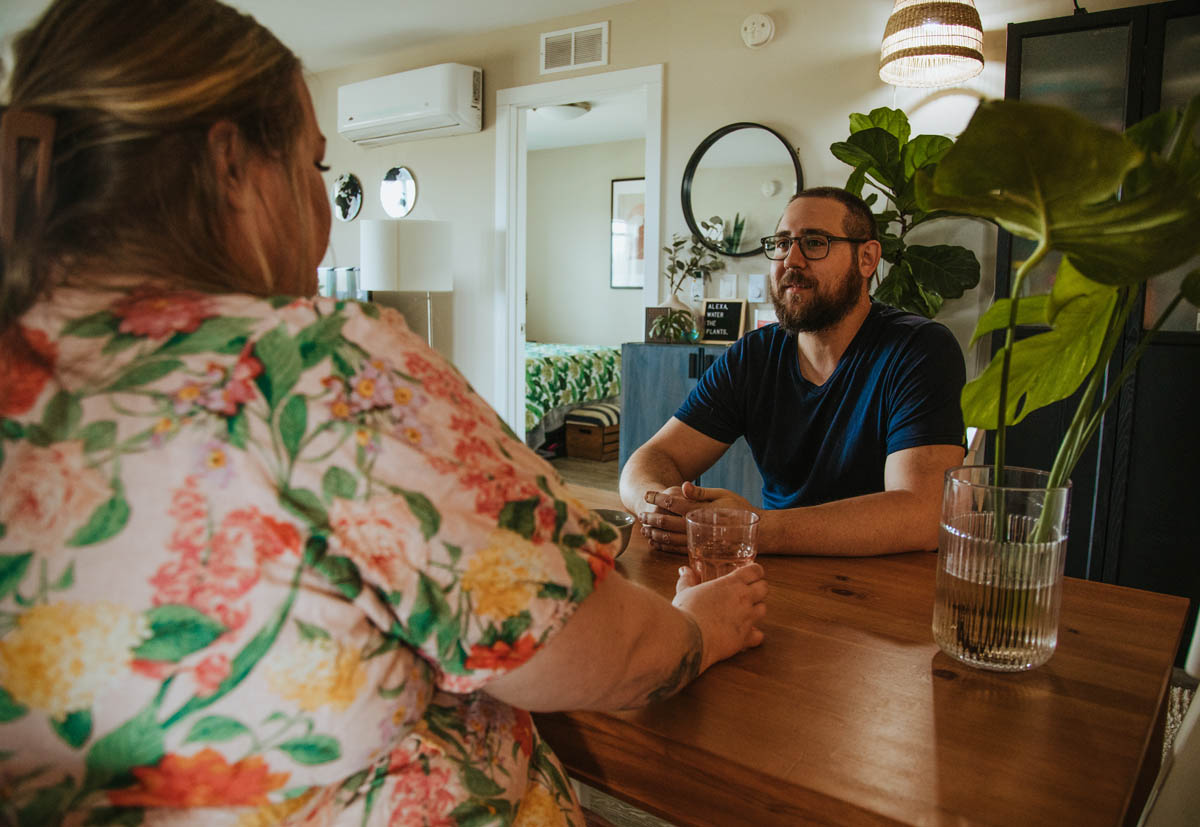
(931, 43)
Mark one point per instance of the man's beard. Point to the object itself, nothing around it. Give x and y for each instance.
(816, 311)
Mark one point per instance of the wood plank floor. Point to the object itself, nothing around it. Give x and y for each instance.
(588, 472)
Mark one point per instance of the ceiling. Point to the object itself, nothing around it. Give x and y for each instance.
(331, 33)
(613, 118)
(361, 29)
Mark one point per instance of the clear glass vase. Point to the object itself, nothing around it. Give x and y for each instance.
(1000, 567)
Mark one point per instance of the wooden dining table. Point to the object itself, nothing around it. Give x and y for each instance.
(848, 713)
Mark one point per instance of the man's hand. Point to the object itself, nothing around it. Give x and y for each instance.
(676, 453)
(664, 524)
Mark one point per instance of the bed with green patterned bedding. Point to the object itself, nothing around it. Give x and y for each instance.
(560, 377)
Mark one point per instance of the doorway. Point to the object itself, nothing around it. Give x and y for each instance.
(513, 108)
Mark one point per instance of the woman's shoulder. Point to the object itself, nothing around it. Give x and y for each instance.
(298, 314)
(157, 312)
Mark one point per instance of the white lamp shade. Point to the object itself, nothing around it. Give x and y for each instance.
(405, 256)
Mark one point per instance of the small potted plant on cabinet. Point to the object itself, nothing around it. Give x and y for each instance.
(686, 257)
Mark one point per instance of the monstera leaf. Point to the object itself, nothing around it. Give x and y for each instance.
(1045, 367)
(1050, 175)
(1160, 134)
(1121, 208)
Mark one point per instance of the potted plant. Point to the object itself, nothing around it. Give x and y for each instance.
(686, 257)
(920, 277)
(726, 236)
(675, 325)
(1120, 209)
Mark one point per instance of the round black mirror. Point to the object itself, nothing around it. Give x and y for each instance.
(737, 183)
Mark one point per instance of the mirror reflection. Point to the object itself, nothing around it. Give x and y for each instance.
(736, 185)
(398, 192)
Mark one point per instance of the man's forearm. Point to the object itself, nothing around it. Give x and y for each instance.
(882, 523)
(646, 470)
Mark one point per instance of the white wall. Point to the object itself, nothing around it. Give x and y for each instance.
(567, 249)
(820, 67)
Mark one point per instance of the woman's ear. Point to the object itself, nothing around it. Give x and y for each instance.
(227, 155)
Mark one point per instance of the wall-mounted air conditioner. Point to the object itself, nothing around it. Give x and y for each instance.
(446, 99)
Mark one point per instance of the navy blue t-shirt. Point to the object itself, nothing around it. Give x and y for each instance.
(897, 386)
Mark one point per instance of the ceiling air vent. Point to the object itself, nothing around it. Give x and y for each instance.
(575, 48)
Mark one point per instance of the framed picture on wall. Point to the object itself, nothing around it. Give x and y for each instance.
(627, 233)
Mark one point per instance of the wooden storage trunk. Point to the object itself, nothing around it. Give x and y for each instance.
(594, 432)
(592, 441)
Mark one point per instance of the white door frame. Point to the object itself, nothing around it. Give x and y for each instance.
(510, 211)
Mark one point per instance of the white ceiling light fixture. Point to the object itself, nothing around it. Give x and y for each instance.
(929, 44)
(563, 111)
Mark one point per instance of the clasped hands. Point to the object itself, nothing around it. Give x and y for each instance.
(664, 523)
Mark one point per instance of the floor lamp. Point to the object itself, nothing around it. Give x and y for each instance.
(406, 256)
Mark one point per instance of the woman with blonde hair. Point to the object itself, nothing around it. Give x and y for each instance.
(265, 560)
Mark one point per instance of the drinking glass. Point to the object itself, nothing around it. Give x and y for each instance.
(721, 540)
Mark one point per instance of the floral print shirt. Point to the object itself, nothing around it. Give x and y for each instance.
(257, 560)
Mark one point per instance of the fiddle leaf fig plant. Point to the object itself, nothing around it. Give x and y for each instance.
(920, 278)
(1119, 208)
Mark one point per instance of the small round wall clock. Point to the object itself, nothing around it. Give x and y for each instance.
(347, 195)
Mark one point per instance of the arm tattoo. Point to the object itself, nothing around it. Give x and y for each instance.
(683, 673)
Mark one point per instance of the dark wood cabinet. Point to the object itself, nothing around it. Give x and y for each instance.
(1135, 517)
(655, 379)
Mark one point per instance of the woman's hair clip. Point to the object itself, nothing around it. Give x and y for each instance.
(17, 125)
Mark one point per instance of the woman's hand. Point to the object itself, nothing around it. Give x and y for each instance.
(665, 524)
(727, 609)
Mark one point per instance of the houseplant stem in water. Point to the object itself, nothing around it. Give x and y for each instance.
(1121, 209)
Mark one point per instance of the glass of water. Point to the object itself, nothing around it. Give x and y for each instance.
(1000, 567)
(721, 540)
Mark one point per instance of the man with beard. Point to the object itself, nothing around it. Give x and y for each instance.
(850, 408)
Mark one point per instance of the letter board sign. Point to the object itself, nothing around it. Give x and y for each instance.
(724, 321)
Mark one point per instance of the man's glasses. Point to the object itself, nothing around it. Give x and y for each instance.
(813, 246)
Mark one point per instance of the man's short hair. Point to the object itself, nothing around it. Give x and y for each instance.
(859, 222)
